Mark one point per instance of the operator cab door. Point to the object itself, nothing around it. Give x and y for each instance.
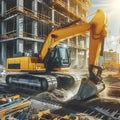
(58, 58)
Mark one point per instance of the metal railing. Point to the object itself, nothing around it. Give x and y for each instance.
(8, 35)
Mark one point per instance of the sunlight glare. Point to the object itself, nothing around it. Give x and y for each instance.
(112, 10)
(116, 5)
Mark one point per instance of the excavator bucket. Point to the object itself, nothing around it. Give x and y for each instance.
(86, 90)
(79, 88)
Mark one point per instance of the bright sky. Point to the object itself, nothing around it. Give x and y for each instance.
(112, 10)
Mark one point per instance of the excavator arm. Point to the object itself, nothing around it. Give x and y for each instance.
(97, 35)
(96, 27)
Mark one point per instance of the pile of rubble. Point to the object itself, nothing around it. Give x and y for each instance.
(17, 108)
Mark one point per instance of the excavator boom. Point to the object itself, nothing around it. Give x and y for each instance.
(57, 36)
(97, 28)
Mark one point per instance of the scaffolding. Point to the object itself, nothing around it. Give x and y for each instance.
(27, 13)
(71, 9)
(38, 18)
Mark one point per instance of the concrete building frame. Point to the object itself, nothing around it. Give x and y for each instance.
(25, 25)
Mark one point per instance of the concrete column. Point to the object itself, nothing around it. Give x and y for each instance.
(3, 24)
(3, 31)
(68, 20)
(35, 47)
(76, 54)
(3, 28)
(19, 46)
(35, 7)
(77, 10)
(3, 7)
(34, 23)
(3, 53)
(68, 41)
(85, 54)
(53, 16)
(20, 25)
(34, 29)
(68, 4)
(20, 5)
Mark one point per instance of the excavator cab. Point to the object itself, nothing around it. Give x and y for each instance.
(57, 58)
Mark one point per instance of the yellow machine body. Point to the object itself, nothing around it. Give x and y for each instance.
(25, 63)
(97, 29)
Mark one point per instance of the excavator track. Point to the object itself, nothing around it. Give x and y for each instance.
(68, 85)
(32, 81)
(41, 81)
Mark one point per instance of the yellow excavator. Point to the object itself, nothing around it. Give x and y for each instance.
(110, 65)
(50, 69)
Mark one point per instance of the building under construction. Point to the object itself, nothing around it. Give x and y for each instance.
(26, 23)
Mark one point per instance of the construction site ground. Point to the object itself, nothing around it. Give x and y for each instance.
(105, 106)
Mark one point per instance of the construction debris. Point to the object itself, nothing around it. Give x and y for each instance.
(12, 104)
(17, 108)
